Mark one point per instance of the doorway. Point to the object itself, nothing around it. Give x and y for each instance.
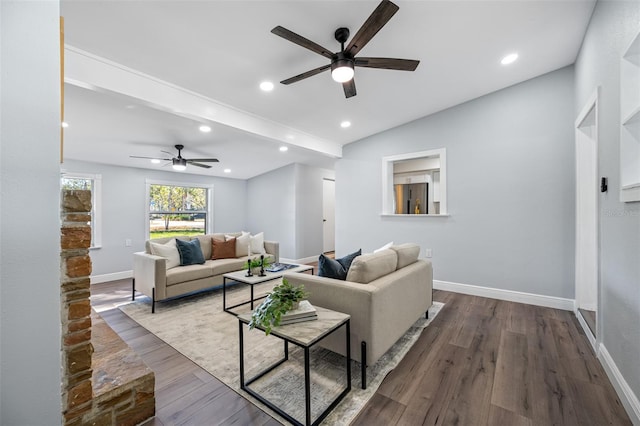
(587, 244)
(328, 215)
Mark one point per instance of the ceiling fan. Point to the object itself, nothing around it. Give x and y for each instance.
(179, 163)
(343, 62)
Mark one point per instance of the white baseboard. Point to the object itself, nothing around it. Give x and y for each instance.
(586, 330)
(95, 279)
(628, 398)
(509, 295)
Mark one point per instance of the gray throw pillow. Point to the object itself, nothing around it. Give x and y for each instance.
(190, 252)
(336, 268)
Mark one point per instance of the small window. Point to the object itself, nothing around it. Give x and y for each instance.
(93, 183)
(178, 209)
(415, 184)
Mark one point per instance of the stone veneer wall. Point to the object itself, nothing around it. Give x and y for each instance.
(75, 269)
(122, 391)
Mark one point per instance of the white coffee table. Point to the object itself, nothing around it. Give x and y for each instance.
(251, 281)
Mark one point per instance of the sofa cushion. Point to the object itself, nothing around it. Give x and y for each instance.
(336, 268)
(167, 250)
(187, 273)
(205, 244)
(190, 252)
(256, 243)
(242, 243)
(371, 266)
(223, 249)
(407, 254)
(224, 266)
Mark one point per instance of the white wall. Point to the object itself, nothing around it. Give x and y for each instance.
(29, 214)
(287, 205)
(510, 185)
(123, 209)
(613, 26)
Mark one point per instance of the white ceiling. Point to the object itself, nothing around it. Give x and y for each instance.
(222, 50)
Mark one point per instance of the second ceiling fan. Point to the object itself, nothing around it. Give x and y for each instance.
(343, 62)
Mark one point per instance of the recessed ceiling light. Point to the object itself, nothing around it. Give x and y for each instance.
(284, 148)
(509, 59)
(266, 86)
(65, 124)
(204, 128)
(227, 170)
(155, 161)
(345, 124)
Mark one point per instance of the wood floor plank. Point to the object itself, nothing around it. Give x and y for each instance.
(512, 384)
(471, 398)
(381, 410)
(595, 404)
(498, 416)
(430, 401)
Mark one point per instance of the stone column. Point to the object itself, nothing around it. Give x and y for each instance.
(75, 268)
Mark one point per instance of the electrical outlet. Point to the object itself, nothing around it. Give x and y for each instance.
(428, 253)
(127, 242)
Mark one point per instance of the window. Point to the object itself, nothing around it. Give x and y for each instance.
(92, 182)
(178, 209)
(415, 184)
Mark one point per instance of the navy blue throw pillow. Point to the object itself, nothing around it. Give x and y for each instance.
(190, 252)
(336, 268)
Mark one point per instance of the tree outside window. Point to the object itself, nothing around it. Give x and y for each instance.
(177, 210)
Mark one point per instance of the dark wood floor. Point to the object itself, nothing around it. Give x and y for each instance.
(481, 362)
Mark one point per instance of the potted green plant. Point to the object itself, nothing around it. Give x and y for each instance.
(282, 299)
(257, 264)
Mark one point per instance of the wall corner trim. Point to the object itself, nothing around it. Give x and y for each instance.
(508, 295)
(628, 398)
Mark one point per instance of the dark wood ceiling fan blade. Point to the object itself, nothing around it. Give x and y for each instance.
(150, 158)
(349, 88)
(301, 41)
(372, 25)
(387, 63)
(204, 160)
(204, 166)
(307, 74)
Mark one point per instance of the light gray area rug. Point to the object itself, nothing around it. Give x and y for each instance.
(198, 328)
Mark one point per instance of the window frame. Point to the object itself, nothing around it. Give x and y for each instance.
(387, 181)
(208, 224)
(96, 203)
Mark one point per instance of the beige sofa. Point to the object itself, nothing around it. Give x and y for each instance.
(385, 293)
(152, 278)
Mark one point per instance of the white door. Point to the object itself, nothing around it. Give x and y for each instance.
(328, 214)
(587, 187)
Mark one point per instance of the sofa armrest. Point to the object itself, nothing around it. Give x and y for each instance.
(273, 247)
(341, 296)
(150, 272)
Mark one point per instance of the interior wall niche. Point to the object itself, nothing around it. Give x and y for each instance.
(414, 184)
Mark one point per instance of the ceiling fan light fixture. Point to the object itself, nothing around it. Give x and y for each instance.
(342, 70)
(179, 164)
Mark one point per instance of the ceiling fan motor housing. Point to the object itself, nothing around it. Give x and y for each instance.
(341, 59)
(179, 161)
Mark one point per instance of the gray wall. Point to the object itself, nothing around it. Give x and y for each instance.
(30, 214)
(272, 208)
(510, 165)
(287, 205)
(123, 209)
(613, 26)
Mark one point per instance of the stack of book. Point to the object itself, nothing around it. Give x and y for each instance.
(305, 312)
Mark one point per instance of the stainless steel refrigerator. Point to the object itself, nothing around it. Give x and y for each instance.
(411, 198)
